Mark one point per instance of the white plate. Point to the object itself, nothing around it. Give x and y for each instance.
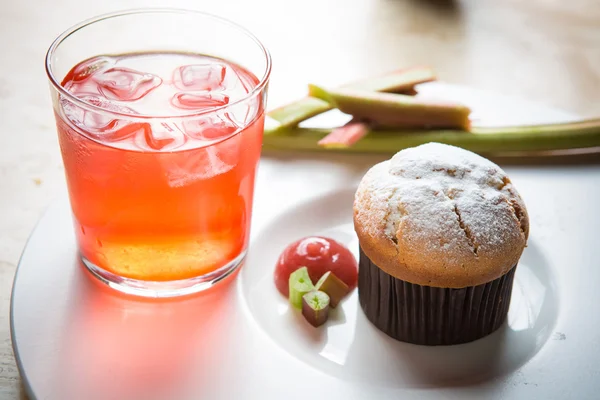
(75, 339)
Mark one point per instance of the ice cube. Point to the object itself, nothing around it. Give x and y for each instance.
(243, 113)
(199, 101)
(191, 166)
(106, 126)
(238, 81)
(91, 66)
(72, 112)
(98, 124)
(125, 84)
(107, 104)
(210, 128)
(200, 76)
(160, 136)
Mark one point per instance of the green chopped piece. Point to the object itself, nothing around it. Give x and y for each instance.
(300, 284)
(315, 307)
(294, 113)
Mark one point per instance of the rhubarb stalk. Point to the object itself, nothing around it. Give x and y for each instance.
(394, 110)
(345, 136)
(561, 136)
(399, 81)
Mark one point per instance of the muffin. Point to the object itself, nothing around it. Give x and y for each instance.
(441, 231)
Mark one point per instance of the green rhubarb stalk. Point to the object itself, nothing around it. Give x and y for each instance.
(394, 110)
(562, 136)
(399, 81)
(298, 111)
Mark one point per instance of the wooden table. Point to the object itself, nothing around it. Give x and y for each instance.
(544, 50)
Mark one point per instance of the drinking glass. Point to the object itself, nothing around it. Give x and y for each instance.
(161, 199)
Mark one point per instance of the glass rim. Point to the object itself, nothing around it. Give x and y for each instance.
(91, 107)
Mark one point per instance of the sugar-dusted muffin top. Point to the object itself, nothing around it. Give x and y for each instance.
(438, 215)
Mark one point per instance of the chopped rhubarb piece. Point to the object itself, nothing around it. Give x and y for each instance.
(395, 110)
(293, 114)
(300, 284)
(399, 81)
(334, 287)
(315, 307)
(345, 136)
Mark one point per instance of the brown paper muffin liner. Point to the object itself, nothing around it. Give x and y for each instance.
(429, 315)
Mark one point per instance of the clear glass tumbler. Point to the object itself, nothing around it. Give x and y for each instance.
(160, 120)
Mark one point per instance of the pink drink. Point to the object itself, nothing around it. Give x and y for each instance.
(157, 198)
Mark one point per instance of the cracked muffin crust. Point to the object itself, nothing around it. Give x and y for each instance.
(437, 215)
